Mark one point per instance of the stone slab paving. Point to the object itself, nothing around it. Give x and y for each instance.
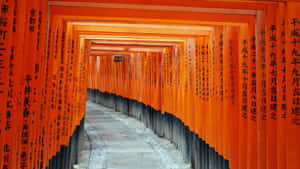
(121, 142)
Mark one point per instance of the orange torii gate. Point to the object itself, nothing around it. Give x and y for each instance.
(235, 86)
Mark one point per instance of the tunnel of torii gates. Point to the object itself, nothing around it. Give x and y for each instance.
(219, 78)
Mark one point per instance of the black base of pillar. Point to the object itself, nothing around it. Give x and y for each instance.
(68, 155)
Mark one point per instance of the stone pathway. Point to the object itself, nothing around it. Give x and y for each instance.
(121, 142)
